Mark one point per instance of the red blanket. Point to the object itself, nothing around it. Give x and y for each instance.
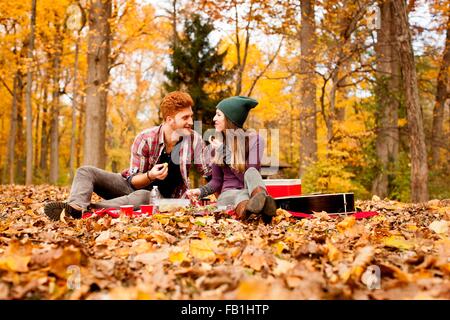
(115, 213)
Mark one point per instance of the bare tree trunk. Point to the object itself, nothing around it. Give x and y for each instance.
(386, 91)
(74, 111)
(174, 18)
(4, 162)
(442, 95)
(44, 134)
(39, 123)
(80, 133)
(340, 113)
(29, 172)
(291, 130)
(419, 166)
(308, 125)
(332, 110)
(20, 149)
(396, 88)
(36, 139)
(97, 82)
(241, 62)
(348, 25)
(54, 127)
(13, 129)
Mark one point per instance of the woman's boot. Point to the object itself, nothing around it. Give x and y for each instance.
(257, 200)
(269, 210)
(241, 211)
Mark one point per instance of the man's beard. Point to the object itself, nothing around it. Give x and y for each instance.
(183, 131)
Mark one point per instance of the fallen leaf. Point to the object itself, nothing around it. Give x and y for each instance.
(152, 258)
(205, 221)
(162, 237)
(62, 216)
(103, 237)
(398, 242)
(363, 258)
(282, 267)
(322, 215)
(27, 201)
(333, 253)
(235, 237)
(16, 257)
(177, 256)
(67, 257)
(279, 247)
(399, 273)
(4, 291)
(439, 226)
(141, 246)
(253, 289)
(293, 281)
(411, 227)
(254, 258)
(345, 224)
(203, 249)
(281, 215)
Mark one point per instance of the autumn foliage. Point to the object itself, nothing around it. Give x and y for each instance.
(195, 255)
(359, 94)
(331, 86)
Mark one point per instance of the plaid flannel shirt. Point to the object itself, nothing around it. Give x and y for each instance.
(147, 148)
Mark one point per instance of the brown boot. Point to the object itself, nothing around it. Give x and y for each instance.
(257, 200)
(54, 209)
(241, 210)
(269, 210)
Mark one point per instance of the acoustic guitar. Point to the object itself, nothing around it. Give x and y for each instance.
(334, 203)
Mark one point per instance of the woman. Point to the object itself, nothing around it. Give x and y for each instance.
(236, 163)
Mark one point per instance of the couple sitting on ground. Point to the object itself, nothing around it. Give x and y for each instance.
(162, 156)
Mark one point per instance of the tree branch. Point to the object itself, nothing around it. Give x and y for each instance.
(265, 69)
(6, 86)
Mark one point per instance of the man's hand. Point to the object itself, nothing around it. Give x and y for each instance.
(159, 171)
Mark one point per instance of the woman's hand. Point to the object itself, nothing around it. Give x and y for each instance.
(193, 193)
(216, 144)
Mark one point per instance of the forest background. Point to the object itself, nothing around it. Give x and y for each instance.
(359, 89)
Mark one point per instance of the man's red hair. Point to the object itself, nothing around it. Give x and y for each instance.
(174, 102)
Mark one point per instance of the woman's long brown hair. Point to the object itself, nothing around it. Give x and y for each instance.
(239, 148)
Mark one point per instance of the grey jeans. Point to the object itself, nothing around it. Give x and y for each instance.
(112, 187)
(252, 179)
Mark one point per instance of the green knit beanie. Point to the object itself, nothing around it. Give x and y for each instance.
(236, 108)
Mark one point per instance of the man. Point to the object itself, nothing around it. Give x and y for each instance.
(160, 156)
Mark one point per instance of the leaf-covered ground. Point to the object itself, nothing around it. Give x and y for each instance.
(187, 256)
